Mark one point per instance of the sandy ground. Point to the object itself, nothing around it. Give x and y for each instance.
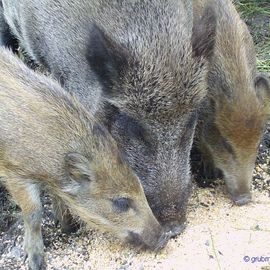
(218, 236)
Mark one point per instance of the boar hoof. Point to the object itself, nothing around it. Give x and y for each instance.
(242, 199)
(36, 262)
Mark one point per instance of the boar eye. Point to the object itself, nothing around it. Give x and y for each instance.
(228, 146)
(121, 204)
(134, 129)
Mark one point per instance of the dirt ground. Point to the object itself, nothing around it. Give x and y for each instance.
(219, 235)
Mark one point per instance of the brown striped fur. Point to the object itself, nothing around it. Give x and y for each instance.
(231, 126)
(48, 139)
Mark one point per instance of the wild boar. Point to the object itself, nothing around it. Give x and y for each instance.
(47, 139)
(231, 125)
(149, 64)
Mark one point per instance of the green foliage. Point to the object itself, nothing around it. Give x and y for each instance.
(256, 13)
(250, 8)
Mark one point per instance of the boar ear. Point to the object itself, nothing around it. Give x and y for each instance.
(262, 86)
(204, 34)
(78, 168)
(107, 59)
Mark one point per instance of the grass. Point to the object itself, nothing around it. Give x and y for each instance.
(256, 13)
(254, 7)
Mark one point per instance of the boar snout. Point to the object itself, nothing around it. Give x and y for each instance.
(154, 237)
(154, 242)
(172, 216)
(174, 228)
(241, 199)
(239, 185)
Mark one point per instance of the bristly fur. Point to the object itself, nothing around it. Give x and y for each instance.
(49, 140)
(152, 73)
(148, 62)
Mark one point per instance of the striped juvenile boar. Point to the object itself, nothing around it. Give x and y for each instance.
(232, 124)
(47, 139)
(148, 64)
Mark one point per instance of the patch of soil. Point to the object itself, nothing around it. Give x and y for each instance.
(261, 175)
(7, 210)
(219, 235)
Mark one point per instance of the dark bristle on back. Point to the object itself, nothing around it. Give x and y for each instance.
(204, 32)
(107, 59)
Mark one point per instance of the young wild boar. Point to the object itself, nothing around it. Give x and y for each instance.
(47, 139)
(231, 125)
(147, 61)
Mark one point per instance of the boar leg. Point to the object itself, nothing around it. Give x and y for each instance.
(27, 195)
(63, 215)
(207, 166)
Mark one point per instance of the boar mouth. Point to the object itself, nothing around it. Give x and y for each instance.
(152, 244)
(241, 199)
(173, 230)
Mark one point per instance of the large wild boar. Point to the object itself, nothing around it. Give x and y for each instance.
(48, 140)
(147, 60)
(231, 125)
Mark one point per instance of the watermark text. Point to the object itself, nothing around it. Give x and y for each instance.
(256, 259)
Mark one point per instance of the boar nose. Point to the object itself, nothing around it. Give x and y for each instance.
(162, 242)
(154, 243)
(239, 189)
(238, 184)
(241, 199)
(174, 228)
(159, 243)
